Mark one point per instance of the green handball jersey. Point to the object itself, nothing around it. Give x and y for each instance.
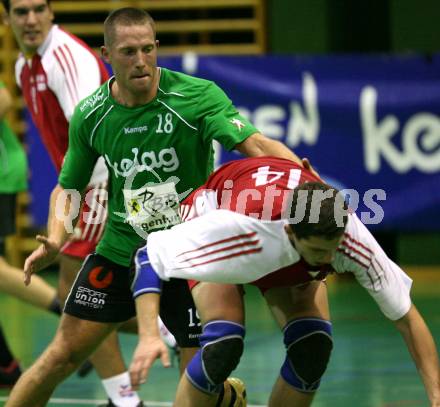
(13, 161)
(156, 153)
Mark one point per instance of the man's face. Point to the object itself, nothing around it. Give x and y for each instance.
(30, 21)
(315, 250)
(133, 57)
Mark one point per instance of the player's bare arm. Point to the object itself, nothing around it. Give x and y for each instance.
(5, 102)
(309, 167)
(258, 145)
(150, 345)
(61, 209)
(147, 287)
(421, 345)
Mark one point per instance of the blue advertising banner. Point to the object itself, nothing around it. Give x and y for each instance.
(368, 124)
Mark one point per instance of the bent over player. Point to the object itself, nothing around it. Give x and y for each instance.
(271, 223)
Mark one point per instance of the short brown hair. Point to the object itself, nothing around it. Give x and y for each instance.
(319, 210)
(125, 16)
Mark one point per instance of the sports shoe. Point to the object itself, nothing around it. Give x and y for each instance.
(238, 389)
(9, 374)
(110, 404)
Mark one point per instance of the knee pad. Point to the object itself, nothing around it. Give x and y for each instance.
(221, 348)
(308, 344)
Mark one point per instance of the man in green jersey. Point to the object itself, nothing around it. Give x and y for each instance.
(155, 129)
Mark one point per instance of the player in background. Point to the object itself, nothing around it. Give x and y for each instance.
(271, 223)
(55, 70)
(13, 179)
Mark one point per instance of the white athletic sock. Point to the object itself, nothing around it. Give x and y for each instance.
(118, 389)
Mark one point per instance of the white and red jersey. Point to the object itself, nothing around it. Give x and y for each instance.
(53, 81)
(233, 242)
(62, 72)
(259, 187)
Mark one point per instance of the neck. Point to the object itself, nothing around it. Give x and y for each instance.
(28, 52)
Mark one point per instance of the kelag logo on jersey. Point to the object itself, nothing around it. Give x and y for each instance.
(166, 160)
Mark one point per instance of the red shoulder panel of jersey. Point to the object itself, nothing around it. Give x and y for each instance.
(258, 186)
(45, 110)
(42, 102)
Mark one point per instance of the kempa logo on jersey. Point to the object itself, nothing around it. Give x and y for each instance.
(134, 130)
(90, 298)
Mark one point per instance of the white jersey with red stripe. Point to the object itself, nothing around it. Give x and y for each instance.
(221, 245)
(53, 81)
(62, 72)
(360, 254)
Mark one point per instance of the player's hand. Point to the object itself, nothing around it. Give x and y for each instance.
(40, 258)
(435, 398)
(435, 403)
(147, 351)
(306, 164)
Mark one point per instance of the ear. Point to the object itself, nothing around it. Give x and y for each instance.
(288, 230)
(105, 54)
(157, 43)
(52, 15)
(290, 234)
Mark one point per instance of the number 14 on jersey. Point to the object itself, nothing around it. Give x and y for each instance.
(265, 176)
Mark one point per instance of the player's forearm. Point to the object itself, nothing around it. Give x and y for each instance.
(423, 351)
(5, 102)
(147, 310)
(258, 145)
(62, 216)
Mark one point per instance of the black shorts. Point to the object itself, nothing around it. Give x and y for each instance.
(7, 218)
(102, 293)
(178, 313)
